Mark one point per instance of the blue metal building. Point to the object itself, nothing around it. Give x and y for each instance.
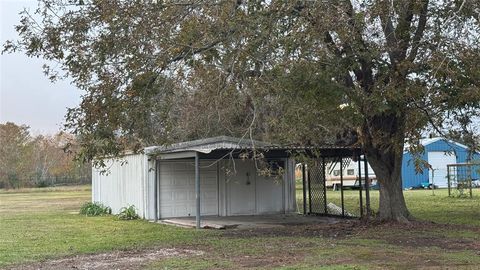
(439, 152)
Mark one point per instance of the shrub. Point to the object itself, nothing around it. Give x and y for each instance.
(42, 183)
(95, 209)
(128, 213)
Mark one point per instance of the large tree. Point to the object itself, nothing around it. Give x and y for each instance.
(383, 70)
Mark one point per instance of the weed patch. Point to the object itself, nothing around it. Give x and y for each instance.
(90, 209)
(128, 213)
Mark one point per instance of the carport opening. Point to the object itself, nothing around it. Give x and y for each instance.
(335, 183)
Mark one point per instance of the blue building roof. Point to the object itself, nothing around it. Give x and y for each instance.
(428, 141)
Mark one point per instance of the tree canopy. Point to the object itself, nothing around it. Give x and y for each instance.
(379, 71)
(27, 160)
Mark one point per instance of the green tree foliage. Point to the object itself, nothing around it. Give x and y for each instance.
(288, 71)
(15, 150)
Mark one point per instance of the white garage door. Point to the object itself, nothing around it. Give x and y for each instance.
(439, 162)
(177, 189)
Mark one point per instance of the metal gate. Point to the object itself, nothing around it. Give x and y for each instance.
(316, 187)
(315, 193)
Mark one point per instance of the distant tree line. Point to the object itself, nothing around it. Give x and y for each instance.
(27, 160)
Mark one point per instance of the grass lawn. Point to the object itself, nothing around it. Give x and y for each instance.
(425, 205)
(44, 224)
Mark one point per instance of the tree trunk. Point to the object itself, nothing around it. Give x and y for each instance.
(392, 203)
(383, 142)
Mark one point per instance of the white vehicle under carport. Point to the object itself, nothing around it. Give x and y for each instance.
(350, 176)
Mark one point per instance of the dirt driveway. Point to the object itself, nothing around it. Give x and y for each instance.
(131, 259)
(368, 244)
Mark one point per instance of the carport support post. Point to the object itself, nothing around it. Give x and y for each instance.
(367, 186)
(197, 190)
(341, 186)
(324, 176)
(360, 184)
(309, 191)
(155, 187)
(448, 179)
(469, 175)
(304, 184)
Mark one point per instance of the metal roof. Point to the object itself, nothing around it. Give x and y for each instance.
(208, 145)
(428, 141)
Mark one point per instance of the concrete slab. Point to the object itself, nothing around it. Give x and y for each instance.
(248, 222)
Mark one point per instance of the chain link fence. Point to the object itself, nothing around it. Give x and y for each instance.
(49, 181)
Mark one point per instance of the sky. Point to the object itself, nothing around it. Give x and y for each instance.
(26, 95)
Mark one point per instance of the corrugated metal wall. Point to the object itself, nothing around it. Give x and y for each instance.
(150, 189)
(133, 183)
(122, 185)
(269, 195)
(412, 179)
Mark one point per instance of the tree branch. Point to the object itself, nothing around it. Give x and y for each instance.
(422, 22)
(192, 51)
(397, 38)
(388, 31)
(402, 32)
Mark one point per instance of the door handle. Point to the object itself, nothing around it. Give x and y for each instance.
(248, 179)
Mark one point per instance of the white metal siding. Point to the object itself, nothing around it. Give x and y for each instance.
(252, 194)
(241, 189)
(121, 185)
(269, 195)
(439, 161)
(150, 189)
(177, 188)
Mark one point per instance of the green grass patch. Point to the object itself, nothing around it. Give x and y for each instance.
(40, 225)
(426, 205)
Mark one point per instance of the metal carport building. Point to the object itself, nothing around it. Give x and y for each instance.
(208, 177)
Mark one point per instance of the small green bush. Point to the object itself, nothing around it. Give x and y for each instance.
(95, 209)
(42, 183)
(128, 213)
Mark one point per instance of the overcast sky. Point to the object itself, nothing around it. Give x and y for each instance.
(26, 95)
